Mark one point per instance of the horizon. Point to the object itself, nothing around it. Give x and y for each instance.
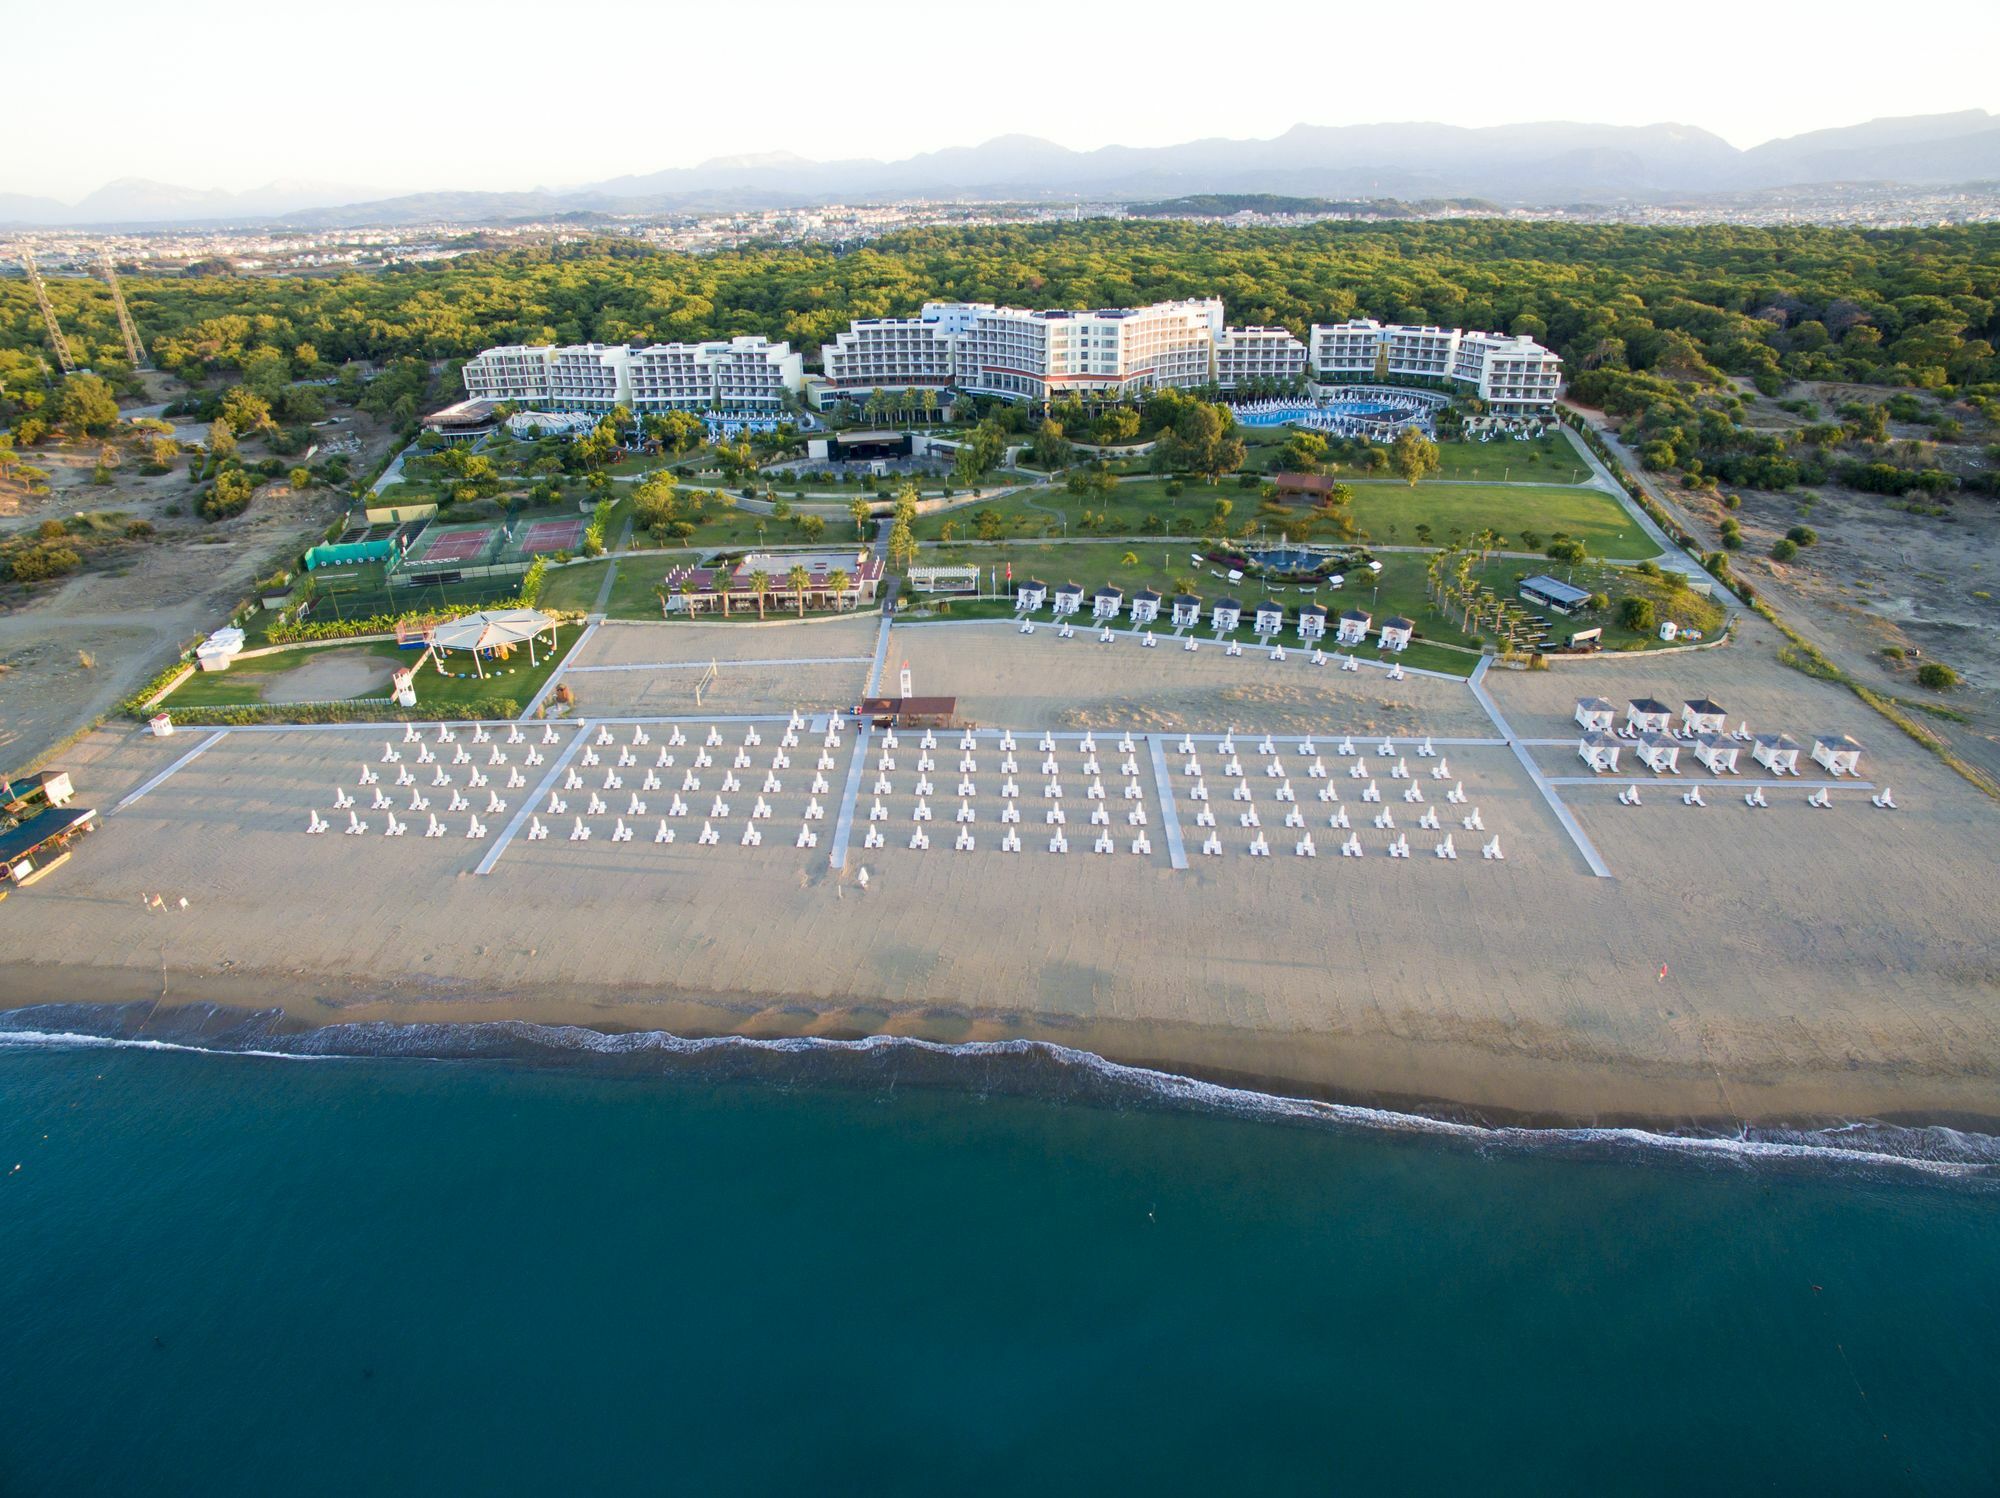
(127, 136)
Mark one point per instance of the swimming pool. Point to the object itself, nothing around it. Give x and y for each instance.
(1278, 416)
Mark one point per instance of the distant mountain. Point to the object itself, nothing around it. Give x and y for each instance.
(136, 200)
(1957, 147)
(1546, 163)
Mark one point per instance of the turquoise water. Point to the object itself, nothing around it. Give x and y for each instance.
(226, 1274)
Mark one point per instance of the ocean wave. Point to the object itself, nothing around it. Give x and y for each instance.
(1027, 1068)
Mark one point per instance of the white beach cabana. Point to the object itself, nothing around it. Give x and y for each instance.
(1187, 611)
(492, 632)
(1030, 596)
(1700, 715)
(1068, 599)
(1595, 715)
(1717, 752)
(1270, 617)
(1353, 628)
(1660, 753)
(1599, 751)
(1776, 752)
(1145, 606)
(1106, 603)
(1226, 615)
(1312, 621)
(1396, 633)
(1646, 715)
(1836, 753)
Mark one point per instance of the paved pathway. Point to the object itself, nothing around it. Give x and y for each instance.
(534, 798)
(1542, 782)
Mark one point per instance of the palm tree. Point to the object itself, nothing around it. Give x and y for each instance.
(760, 584)
(837, 583)
(799, 579)
(863, 513)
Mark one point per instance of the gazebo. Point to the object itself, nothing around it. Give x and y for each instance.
(491, 631)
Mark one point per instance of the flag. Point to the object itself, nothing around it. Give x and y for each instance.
(1010, 572)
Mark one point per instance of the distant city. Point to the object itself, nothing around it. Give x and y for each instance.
(275, 250)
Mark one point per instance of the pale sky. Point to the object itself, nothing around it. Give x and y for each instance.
(404, 95)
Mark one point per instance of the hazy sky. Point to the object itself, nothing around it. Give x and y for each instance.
(501, 94)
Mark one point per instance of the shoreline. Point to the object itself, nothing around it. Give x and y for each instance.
(218, 1011)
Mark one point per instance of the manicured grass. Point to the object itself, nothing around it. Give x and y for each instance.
(1390, 513)
(1385, 513)
(1682, 605)
(245, 681)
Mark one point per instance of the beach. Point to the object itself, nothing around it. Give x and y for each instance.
(1784, 965)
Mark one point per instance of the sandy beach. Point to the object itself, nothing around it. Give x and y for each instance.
(1819, 964)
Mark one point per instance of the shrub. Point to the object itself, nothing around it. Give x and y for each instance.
(1802, 535)
(1636, 614)
(1784, 549)
(1936, 676)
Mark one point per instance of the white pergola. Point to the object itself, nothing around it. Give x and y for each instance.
(492, 630)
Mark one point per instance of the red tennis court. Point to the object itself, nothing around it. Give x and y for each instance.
(456, 546)
(552, 535)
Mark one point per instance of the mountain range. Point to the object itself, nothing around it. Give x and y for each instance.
(1535, 164)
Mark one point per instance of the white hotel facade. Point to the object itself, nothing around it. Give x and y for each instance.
(1041, 355)
(736, 374)
(1023, 354)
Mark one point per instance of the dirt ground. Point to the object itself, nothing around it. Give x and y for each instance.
(151, 598)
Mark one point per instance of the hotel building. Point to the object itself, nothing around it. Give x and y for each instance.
(1514, 375)
(1018, 353)
(736, 374)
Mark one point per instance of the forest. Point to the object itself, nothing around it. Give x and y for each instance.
(1627, 307)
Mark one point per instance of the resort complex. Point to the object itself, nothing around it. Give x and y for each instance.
(1013, 353)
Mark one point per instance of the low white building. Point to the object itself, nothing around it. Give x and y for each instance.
(1599, 751)
(1353, 629)
(1106, 604)
(1030, 596)
(1836, 753)
(1397, 633)
(1717, 753)
(1699, 715)
(1312, 621)
(1068, 599)
(1186, 611)
(1270, 618)
(1776, 752)
(1595, 714)
(1646, 715)
(1226, 615)
(1145, 606)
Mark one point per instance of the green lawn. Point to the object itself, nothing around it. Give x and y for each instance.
(1398, 589)
(245, 681)
(1385, 513)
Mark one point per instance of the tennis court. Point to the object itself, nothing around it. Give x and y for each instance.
(459, 543)
(545, 536)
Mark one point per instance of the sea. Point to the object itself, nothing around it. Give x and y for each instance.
(497, 1259)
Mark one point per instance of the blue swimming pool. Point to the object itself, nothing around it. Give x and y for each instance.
(1277, 416)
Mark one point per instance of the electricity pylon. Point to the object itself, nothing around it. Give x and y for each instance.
(56, 339)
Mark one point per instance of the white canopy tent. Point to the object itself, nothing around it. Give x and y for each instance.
(495, 629)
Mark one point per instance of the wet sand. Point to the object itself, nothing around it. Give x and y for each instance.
(1821, 964)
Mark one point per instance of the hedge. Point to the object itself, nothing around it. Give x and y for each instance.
(294, 632)
(486, 708)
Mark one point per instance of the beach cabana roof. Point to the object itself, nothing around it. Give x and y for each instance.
(1356, 616)
(1146, 595)
(1399, 622)
(491, 629)
(1593, 704)
(1316, 610)
(1648, 705)
(1070, 590)
(1704, 706)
